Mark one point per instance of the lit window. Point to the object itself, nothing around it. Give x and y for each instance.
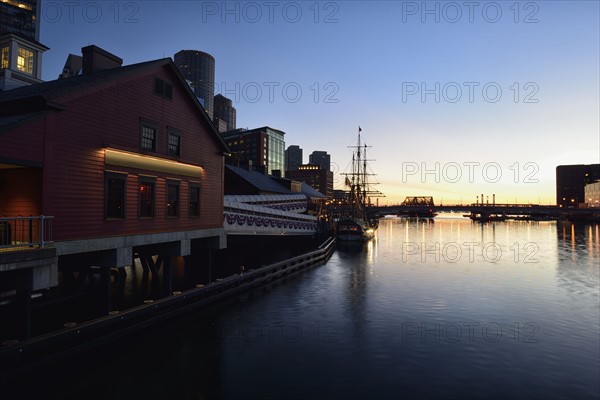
(4, 58)
(173, 199)
(146, 198)
(25, 60)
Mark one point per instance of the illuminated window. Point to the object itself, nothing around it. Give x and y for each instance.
(115, 185)
(172, 199)
(148, 137)
(4, 58)
(174, 143)
(146, 198)
(194, 198)
(25, 60)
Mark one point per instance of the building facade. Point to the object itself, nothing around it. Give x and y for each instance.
(20, 17)
(316, 177)
(592, 194)
(571, 181)
(293, 157)
(263, 148)
(224, 111)
(125, 160)
(199, 68)
(320, 158)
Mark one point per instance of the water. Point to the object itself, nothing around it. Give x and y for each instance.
(444, 309)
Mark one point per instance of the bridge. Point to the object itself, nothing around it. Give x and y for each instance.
(268, 215)
(485, 212)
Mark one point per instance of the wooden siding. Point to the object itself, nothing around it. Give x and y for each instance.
(109, 116)
(20, 192)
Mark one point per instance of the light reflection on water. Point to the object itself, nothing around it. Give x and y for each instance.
(435, 309)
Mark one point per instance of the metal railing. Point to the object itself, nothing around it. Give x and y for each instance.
(25, 232)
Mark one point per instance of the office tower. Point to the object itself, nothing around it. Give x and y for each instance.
(20, 17)
(263, 148)
(223, 111)
(293, 157)
(571, 181)
(198, 67)
(20, 51)
(321, 158)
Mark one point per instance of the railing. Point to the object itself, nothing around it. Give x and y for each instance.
(25, 232)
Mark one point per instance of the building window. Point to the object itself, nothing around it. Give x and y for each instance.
(4, 57)
(146, 198)
(172, 199)
(194, 198)
(25, 60)
(148, 137)
(174, 143)
(163, 88)
(115, 190)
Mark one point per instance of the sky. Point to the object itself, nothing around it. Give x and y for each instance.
(456, 99)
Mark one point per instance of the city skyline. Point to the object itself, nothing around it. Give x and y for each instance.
(455, 100)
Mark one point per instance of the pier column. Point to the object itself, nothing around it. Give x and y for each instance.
(24, 286)
(104, 290)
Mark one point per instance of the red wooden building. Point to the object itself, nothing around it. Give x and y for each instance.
(124, 158)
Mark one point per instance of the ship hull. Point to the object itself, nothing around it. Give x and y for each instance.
(354, 230)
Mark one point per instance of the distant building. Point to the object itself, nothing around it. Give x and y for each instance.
(199, 68)
(20, 51)
(293, 157)
(592, 194)
(316, 177)
(20, 17)
(263, 148)
(223, 110)
(321, 158)
(571, 181)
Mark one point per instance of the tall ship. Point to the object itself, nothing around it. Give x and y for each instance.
(355, 224)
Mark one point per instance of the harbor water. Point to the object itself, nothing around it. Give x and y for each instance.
(443, 308)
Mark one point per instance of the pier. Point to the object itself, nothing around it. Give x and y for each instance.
(19, 357)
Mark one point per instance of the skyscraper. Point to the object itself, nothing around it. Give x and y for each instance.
(20, 17)
(198, 67)
(20, 51)
(293, 157)
(321, 158)
(263, 147)
(224, 111)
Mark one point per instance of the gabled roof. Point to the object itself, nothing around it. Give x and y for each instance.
(311, 192)
(40, 96)
(265, 183)
(260, 181)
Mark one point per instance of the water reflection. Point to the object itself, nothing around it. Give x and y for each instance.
(579, 258)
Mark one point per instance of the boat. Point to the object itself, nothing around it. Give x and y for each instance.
(355, 225)
(487, 217)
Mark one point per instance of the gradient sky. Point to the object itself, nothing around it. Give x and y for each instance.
(455, 98)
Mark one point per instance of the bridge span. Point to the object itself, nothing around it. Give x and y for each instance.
(485, 211)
